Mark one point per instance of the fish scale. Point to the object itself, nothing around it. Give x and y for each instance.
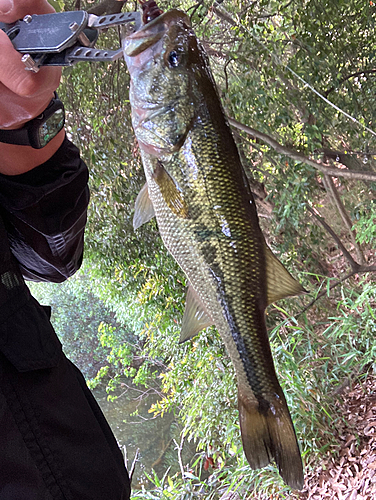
(207, 218)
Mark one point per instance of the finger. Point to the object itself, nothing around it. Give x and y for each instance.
(12, 10)
(14, 76)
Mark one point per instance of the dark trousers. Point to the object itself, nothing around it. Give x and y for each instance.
(54, 440)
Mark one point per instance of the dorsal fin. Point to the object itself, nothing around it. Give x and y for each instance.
(143, 208)
(280, 284)
(195, 316)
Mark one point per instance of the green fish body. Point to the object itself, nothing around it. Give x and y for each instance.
(198, 191)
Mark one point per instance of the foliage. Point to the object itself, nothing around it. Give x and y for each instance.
(366, 223)
(313, 361)
(266, 57)
(85, 325)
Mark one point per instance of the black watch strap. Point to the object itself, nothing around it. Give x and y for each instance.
(28, 134)
(19, 136)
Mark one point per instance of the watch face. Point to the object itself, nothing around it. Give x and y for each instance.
(51, 127)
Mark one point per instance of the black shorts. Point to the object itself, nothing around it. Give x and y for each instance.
(54, 440)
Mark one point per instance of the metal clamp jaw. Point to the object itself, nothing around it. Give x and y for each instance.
(64, 38)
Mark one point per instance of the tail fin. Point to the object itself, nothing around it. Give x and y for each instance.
(268, 435)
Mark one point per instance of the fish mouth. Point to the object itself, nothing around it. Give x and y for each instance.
(152, 32)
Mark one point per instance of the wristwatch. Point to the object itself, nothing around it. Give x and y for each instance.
(38, 132)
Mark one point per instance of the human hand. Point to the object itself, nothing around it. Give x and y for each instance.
(23, 94)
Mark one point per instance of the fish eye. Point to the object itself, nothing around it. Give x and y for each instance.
(173, 59)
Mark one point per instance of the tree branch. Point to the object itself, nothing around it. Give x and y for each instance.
(324, 292)
(336, 200)
(354, 265)
(107, 7)
(326, 169)
(179, 448)
(361, 270)
(343, 80)
(222, 14)
(349, 160)
(135, 460)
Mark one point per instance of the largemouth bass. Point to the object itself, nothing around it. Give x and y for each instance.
(198, 191)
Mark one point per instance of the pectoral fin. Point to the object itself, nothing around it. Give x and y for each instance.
(195, 316)
(143, 209)
(171, 194)
(279, 282)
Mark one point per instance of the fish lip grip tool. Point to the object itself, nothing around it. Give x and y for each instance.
(65, 38)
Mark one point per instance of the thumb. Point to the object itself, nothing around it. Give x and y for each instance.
(11, 11)
(6, 6)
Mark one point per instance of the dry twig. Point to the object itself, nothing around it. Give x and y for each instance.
(179, 448)
(135, 460)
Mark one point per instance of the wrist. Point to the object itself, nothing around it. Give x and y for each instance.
(20, 113)
(39, 131)
(35, 142)
(15, 160)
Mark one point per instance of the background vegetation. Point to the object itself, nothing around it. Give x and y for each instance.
(290, 74)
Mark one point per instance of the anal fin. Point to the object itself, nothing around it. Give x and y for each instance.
(195, 316)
